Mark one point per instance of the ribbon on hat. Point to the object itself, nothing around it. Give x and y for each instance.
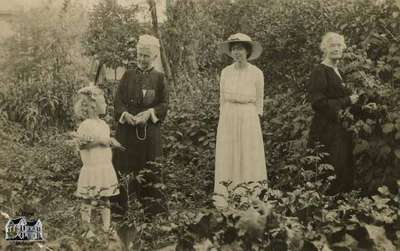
(239, 37)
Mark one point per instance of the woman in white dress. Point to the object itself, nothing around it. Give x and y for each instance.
(240, 149)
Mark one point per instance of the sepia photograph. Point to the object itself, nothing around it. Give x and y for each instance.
(200, 125)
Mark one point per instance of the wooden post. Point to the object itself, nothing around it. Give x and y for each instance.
(167, 69)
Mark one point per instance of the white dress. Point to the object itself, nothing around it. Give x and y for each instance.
(240, 153)
(97, 176)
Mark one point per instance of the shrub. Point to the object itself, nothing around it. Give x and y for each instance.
(112, 33)
(44, 67)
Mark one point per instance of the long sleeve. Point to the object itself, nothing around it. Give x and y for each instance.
(120, 105)
(260, 93)
(231, 89)
(221, 90)
(161, 107)
(319, 101)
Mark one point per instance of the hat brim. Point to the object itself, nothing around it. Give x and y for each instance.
(256, 48)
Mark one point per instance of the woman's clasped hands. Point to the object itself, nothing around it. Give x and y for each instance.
(138, 119)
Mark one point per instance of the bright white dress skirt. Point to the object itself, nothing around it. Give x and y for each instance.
(240, 153)
(97, 176)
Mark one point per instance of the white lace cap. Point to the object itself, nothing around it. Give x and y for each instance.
(146, 41)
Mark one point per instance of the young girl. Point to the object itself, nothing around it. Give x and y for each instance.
(97, 179)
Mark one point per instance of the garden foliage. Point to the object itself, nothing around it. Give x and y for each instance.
(40, 78)
(112, 34)
(43, 67)
(290, 33)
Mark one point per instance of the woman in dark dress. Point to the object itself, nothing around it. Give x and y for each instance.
(329, 94)
(140, 105)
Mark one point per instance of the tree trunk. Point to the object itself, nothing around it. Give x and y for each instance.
(164, 59)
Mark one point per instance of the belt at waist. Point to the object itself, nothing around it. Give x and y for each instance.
(236, 101)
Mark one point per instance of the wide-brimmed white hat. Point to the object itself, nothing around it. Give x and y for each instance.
(256, 48)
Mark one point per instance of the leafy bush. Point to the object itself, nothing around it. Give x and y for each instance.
(40, 104)
(302, 219)
(43, 68)
(290, 33)
(293, 213)
(374, 122)
(112, 33)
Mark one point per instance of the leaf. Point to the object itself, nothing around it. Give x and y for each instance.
(387, 128)
(343, 26)
(397, 74)
(367, 128)
(378, 236)
(160, 186)
(397, 153)
(393, 48)
(348, 243)
(166, 228)
(331, 215)
(251, 222)
(385, 150)
(360, 147)
(203, 245)
(312, 246)
(5, 215)
(384, 190)
(380, 202)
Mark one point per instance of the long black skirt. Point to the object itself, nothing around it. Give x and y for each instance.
(143, 145)
(338, 143)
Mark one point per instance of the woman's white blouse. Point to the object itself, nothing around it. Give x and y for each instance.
(242, 86)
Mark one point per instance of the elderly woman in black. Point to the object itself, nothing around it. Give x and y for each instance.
(329, 94)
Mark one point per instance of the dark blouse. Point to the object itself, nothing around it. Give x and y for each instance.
(328, 95)
(129, 95)
(327, 92)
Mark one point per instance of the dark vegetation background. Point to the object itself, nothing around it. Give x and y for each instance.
(51, 56)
